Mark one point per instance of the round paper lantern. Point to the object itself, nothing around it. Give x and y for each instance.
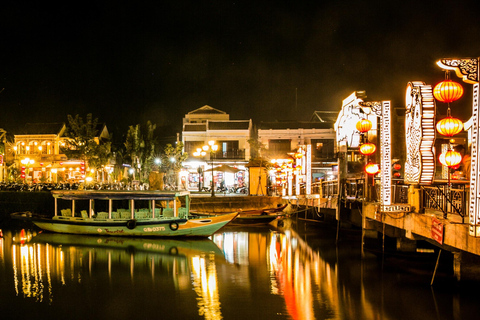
(448, 91)
(372, 168)
(449, 126)
(450, 158)
(397, 166)
(364, 125)
(367, 149)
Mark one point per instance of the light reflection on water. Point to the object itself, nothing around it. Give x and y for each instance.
(238, 274)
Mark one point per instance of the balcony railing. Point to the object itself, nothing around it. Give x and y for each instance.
(449, 198)
(232, 154)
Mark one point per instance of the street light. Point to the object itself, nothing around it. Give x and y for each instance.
(201, 152)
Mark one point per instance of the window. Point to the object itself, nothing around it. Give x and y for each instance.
(323, 148)
(279, 146)
(191, 146)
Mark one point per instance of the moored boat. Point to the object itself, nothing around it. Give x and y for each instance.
(167, 215)
(250, 217)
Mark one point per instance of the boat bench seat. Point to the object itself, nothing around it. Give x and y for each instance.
(102, 215)
(66, 212)
(168, 213)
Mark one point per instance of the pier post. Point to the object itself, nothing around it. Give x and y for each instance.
(466, 266)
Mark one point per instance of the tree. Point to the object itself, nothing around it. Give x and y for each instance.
(172, 162)
(140, 149)
(83, 142)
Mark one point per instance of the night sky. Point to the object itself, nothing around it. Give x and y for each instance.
(260, 60)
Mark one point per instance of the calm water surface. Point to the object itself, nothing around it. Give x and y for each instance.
(247, 273)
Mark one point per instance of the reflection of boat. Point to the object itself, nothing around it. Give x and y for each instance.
(249, 217)
(172, 246)
(170, 220)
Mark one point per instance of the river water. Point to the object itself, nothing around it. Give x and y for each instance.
(241, 273)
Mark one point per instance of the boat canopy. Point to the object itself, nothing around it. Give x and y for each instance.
(117, 195)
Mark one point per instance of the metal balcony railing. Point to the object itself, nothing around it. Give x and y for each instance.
(450, 198)
(232, 154)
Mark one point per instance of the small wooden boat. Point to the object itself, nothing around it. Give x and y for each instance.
(171, 219)
(250, 217)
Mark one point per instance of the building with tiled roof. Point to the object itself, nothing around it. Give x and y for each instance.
(231, 136)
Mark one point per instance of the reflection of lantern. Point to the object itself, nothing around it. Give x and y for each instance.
(397, 166)
(450, 158)
(372, 168)
(448, 91)
(449, 126)
(367, 149)
(364, 125)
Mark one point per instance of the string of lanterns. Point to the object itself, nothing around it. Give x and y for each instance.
(367, 149)
(449, 91)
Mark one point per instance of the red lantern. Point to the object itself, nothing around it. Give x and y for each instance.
(450, 158)
(448, 91)
(372, 168)
(364, 125)
(367, 149)
(449, 126)
(397, 166)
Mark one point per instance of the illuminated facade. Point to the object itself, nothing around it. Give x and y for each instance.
(231, 136)
(37, 154)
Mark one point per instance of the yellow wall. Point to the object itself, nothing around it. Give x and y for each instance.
(254, 181)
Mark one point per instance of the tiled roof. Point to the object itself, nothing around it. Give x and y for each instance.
(195, 127)
(42, 128)
(280, 125)
(228, 125)
(206, 110)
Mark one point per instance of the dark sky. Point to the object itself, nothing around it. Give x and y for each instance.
(128, 63)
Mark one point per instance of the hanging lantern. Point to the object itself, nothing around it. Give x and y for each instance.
(397, 166)
(372, 168)
(367, 149)
(397, 175)
(450, 158)
(448, 91)
(364, 125)
(449, 126)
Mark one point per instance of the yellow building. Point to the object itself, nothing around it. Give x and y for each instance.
(37, 154)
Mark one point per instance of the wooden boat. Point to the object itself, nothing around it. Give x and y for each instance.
(171, 219)
(250, 217)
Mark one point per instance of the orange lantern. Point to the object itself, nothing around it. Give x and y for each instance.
(397, 166)
(367, 149)
(449, 126)
(450, 158)
(448, 91)
(372, 168)
(364, 125)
